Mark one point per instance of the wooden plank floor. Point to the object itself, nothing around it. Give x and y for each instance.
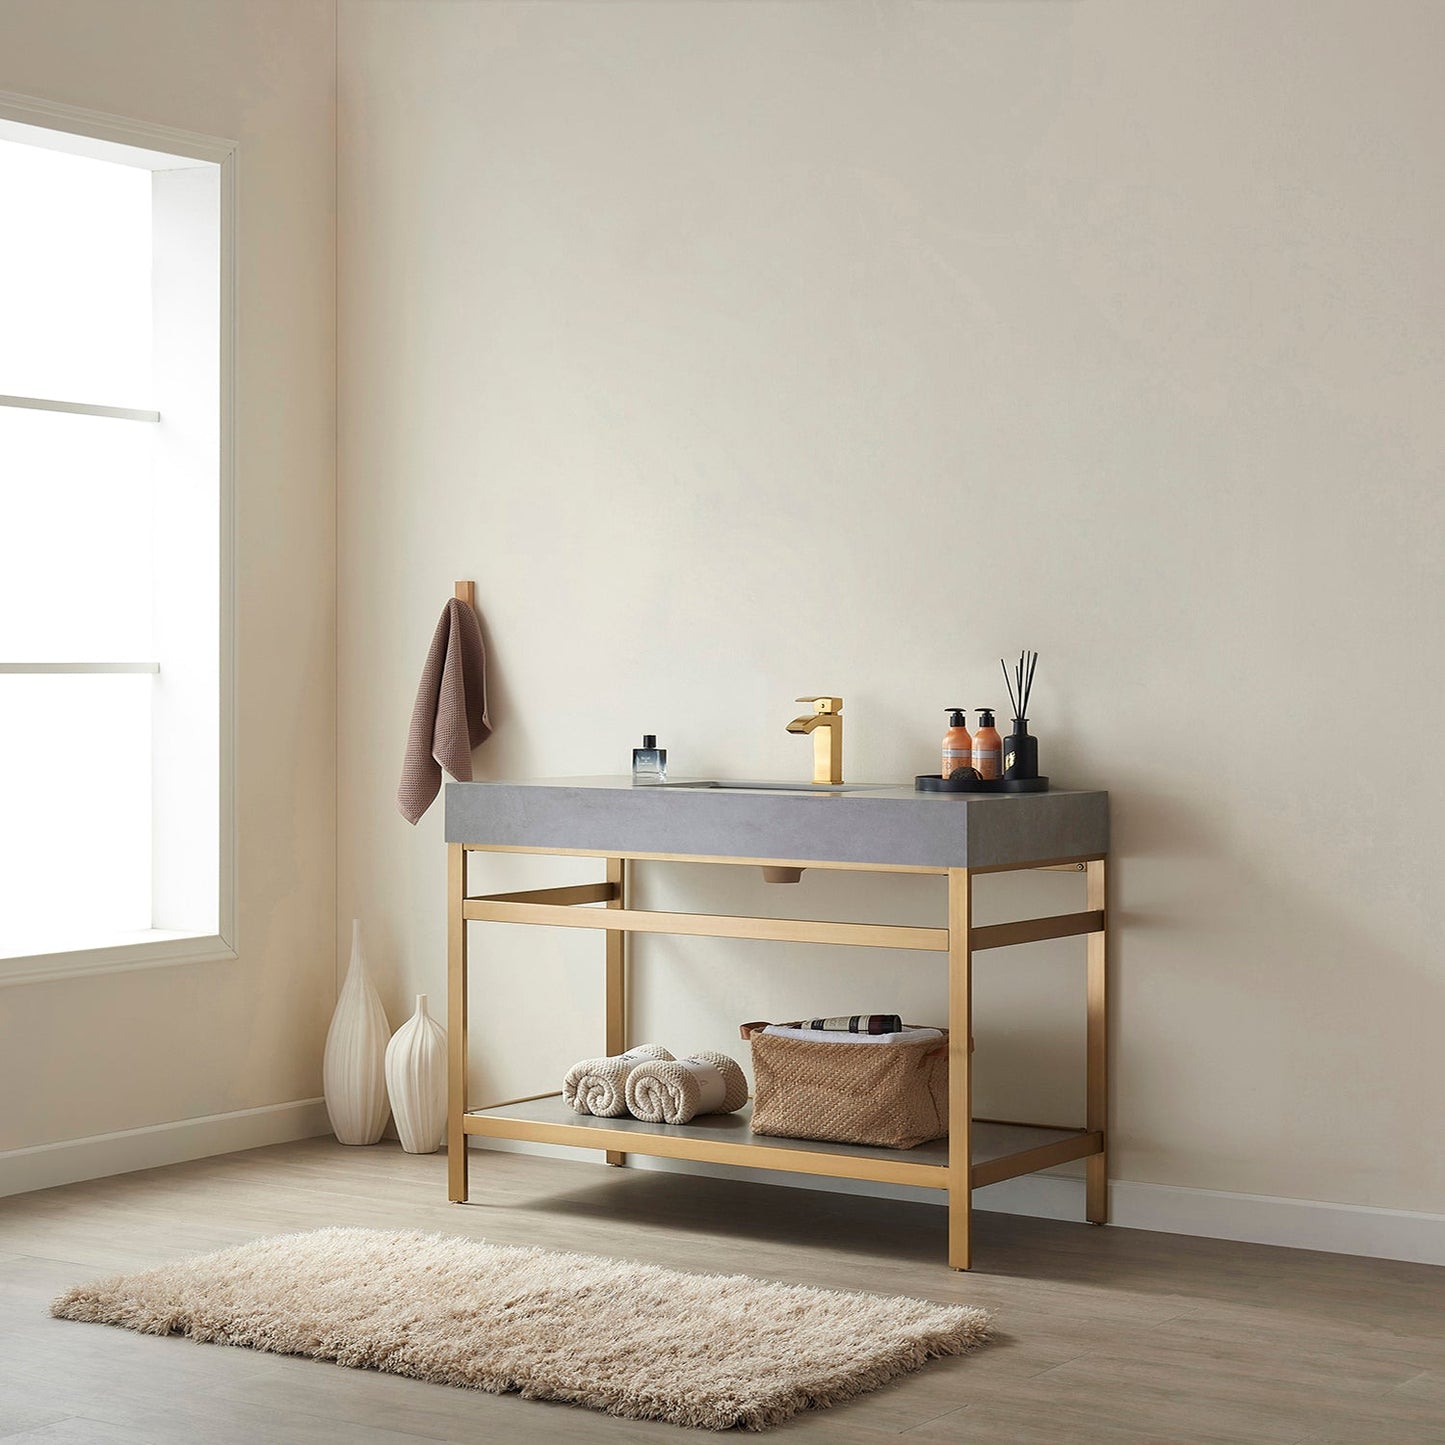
(1105, 1334)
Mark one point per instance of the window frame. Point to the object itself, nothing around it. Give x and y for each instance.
(165, 947)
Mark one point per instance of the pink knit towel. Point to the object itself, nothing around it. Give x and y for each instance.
(450, 716)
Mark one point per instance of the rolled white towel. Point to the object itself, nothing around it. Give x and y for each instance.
(599, 1086)
(674, 1091)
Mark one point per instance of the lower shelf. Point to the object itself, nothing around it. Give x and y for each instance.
(999, 1151)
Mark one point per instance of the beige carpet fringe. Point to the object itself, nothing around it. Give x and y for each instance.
(635, 1340)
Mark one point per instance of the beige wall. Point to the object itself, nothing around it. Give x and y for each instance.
(740, 349)
(91, 1055)
(707, 338)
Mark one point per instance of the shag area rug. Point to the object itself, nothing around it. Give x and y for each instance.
(635, 1340)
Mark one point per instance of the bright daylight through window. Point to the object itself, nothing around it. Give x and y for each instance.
(111, 551)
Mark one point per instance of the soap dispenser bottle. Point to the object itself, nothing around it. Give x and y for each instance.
(987, 746)
(957, 744)
(649, 762)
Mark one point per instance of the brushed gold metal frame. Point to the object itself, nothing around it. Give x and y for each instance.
(572, 907)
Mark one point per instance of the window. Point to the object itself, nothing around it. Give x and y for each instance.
(115, 820)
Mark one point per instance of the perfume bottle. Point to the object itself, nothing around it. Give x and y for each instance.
(649, 762)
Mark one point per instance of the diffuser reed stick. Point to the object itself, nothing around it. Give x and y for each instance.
(1008, 683)
(1022, 683)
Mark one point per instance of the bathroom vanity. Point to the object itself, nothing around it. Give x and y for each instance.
(784, 827)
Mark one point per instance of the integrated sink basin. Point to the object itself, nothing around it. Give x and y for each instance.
(764, 787)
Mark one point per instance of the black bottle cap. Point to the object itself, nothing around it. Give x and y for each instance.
(985, 717)
(956, 718)
(649, 740)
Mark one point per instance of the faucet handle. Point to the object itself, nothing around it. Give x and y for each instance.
(822, 704)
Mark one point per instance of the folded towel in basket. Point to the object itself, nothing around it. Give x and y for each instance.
(672, 1092)
(599, 1086)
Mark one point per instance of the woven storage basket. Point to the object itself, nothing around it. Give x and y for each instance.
(893, 1096)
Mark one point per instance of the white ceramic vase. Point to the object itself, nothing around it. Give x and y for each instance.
(416, 1079)
(353, 1072)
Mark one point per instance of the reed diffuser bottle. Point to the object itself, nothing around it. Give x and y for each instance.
(1020, 750)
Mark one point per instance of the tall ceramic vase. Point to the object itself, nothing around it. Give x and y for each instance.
(416, 1079)
(354, 1069)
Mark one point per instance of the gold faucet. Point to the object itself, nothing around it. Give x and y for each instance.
(825, 722)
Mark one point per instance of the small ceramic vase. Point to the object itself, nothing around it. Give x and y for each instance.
(353, 1071)
(416, 1079)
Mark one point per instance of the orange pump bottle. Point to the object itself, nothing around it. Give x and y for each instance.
(987, 746)
(957, 745)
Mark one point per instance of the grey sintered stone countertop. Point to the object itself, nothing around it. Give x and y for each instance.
(864, 824)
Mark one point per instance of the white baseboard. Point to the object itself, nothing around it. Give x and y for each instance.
(1160, 1208)
(1295, 1223)
(43, 1166)
(1210, 1213)
(1246, 1218)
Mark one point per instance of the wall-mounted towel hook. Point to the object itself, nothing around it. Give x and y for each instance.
(466, 592)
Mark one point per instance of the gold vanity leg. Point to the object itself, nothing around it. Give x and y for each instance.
(456, 1023)
(616, 978)
(960, 1067)
(1096, 1208)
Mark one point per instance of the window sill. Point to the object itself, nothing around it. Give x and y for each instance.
(146, 948)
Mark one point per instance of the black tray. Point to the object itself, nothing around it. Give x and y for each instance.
(936, 783)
